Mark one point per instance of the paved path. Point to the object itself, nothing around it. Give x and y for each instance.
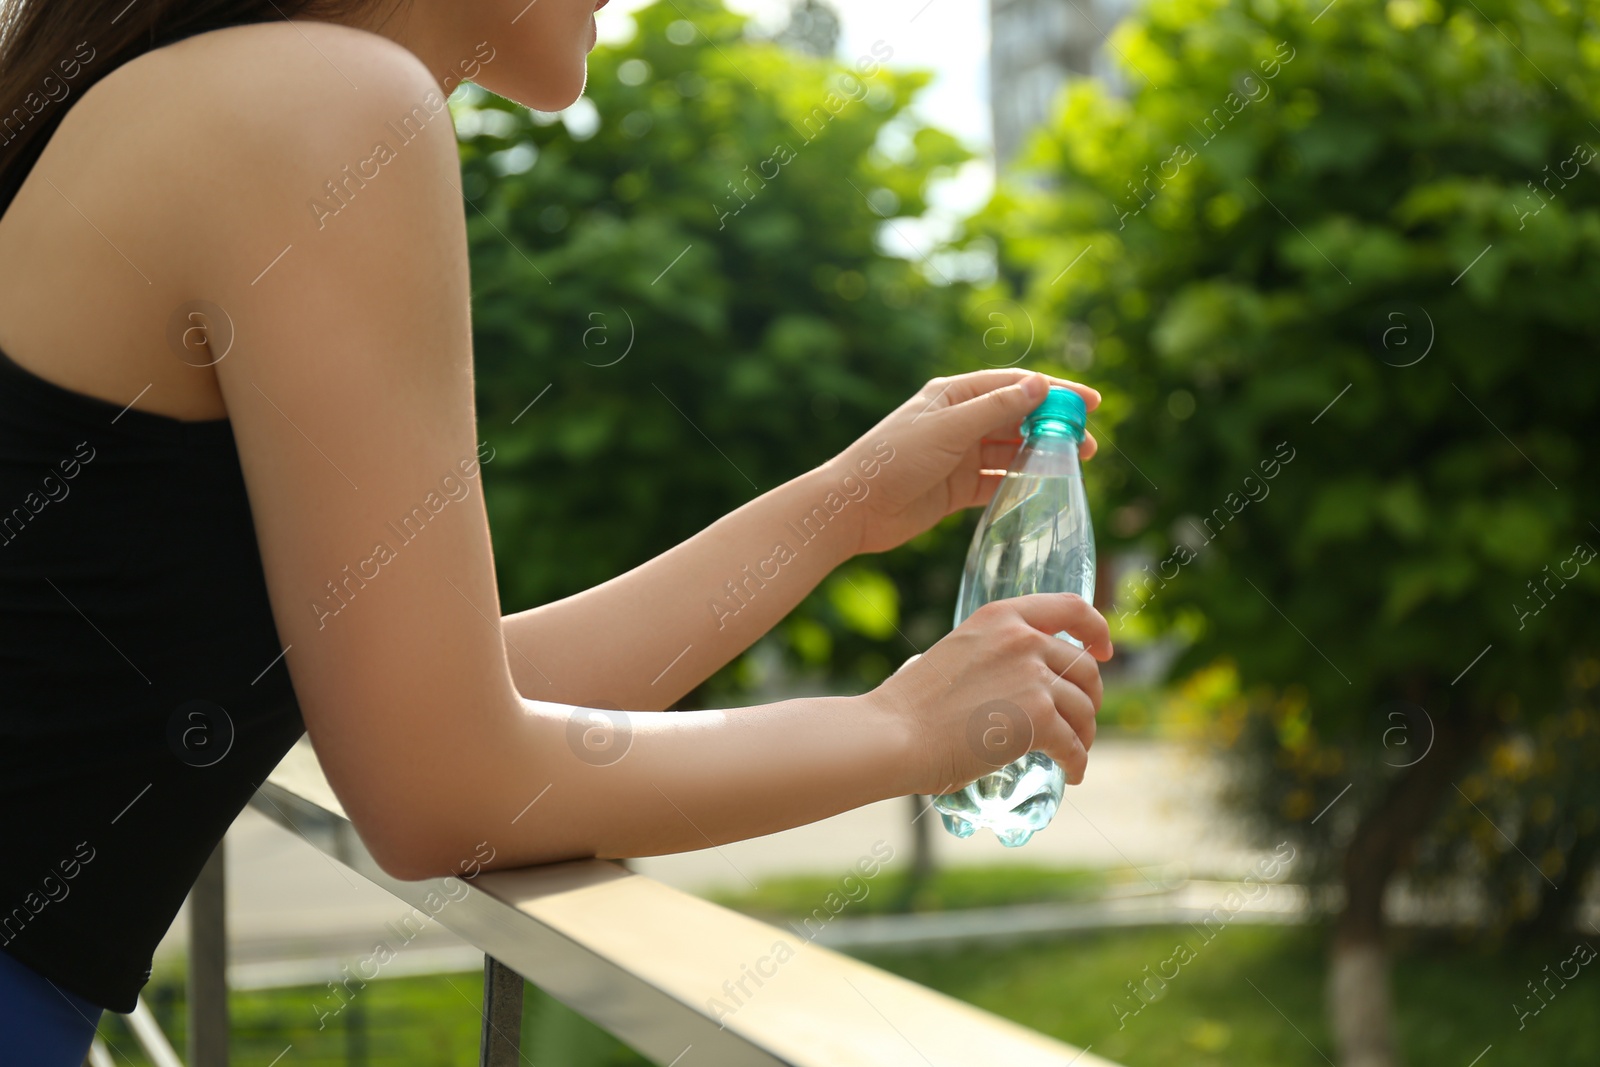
(1143, 803)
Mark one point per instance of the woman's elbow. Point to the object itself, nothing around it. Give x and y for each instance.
(407, 859)
(406, 846)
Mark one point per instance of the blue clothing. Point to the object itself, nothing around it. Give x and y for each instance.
(41, 1024)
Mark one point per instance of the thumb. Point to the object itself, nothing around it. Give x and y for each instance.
(998, 408)
(906, 664)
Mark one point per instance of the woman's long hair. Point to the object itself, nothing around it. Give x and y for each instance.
(53, 50)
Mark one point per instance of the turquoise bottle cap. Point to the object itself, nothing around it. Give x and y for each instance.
(1062, 411)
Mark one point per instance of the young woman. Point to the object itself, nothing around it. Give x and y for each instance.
(240, 499)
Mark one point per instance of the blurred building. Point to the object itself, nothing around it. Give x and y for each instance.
(813, 28)
(1035, 47)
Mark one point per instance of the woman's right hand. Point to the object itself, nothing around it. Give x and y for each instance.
(999, 686)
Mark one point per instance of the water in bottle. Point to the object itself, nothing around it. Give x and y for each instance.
(1035, 537)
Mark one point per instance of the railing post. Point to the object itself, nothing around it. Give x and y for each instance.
(208, 965)
(501, 1044)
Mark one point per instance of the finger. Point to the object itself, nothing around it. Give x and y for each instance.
(1012, 438)
(998, 409)
(989, 484)
(962, 387)
(1091, 395)
(1074, 666)
(967, 484)
(1057, 612)
(1061, 743)
(997, 455)
(1072, 704)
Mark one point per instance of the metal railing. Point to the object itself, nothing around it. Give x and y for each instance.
(683, 981)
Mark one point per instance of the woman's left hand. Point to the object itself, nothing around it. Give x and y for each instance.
(945, 449)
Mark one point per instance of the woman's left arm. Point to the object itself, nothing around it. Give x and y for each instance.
(647, 637)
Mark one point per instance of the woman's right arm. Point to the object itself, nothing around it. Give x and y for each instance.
(349, 387)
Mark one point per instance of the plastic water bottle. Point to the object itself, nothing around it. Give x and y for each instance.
(1035, 537)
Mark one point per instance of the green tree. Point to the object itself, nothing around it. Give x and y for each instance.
(682, 298)
(1526, 825)
(1336, 274)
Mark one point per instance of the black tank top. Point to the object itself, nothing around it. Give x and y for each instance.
(143, 695)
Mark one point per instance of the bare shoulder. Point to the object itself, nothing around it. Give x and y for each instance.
(272, 102)
(193, 150)
(199, 162)
(268, 71)
(216, 152)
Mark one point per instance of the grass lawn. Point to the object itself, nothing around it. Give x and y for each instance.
(1251, 996)
(961, 887)
(1452, 1002)
(430, 1021)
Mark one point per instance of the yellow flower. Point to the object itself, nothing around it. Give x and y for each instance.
(1297, 805)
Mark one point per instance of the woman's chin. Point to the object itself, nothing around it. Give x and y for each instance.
(563, 100)
(555, 91)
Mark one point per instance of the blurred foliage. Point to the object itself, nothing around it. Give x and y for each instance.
(1333, 268)
(685, 276)
(1526, 825)
(1521, 838)
(1400, 140)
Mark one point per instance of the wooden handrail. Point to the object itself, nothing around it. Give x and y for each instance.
(663, 970)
